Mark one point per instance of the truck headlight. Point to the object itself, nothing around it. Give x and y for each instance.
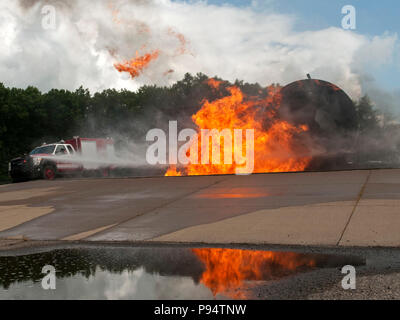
(36, 161)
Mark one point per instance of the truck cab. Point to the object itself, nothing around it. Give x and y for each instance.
(73, 156)
(46, 161)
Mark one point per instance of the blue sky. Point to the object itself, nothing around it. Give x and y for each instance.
(373, 18)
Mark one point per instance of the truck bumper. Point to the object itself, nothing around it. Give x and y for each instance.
(24, 172)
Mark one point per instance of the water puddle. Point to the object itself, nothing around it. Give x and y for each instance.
(154, 272)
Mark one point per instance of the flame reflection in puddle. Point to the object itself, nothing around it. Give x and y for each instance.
(154, 272)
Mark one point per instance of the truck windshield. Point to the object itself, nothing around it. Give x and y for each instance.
(44, 150)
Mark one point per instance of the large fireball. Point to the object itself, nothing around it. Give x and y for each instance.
(277, 143)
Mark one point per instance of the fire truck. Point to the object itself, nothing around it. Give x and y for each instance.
(75, 156)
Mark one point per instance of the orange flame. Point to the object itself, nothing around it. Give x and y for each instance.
(213, 83)
(226, 269)
(182, 41)
(136, 65)
(276, 142)
(172, 172)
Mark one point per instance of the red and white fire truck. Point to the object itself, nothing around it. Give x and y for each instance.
(73, 156)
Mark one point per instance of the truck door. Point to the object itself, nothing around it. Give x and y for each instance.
(76, 163)
(64, 160)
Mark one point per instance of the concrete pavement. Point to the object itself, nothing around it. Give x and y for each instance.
(347, 208)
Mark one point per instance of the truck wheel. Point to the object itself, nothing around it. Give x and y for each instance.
(49, 172)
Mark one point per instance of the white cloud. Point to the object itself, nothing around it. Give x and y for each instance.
(378, 51)
(227, 41)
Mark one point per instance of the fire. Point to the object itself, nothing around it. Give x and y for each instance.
(172, 172)
(182, 41)
(213, 83)
(136, 65)
(226, 269)
(277, 146)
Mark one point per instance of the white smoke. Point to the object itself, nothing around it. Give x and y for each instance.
(231, 42)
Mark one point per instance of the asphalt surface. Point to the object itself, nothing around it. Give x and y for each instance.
(348, 208)
(348, 212)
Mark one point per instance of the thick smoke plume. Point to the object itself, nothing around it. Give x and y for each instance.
(258, 45)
